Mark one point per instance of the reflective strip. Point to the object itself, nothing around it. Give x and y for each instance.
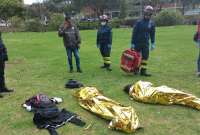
(107, 60)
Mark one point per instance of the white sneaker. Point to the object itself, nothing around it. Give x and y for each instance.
(198, 74)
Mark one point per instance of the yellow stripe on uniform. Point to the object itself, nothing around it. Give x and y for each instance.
(107, 60)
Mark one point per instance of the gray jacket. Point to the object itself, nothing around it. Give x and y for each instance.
(71, 36)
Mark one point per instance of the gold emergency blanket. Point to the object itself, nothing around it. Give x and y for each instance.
(145, 92)
(122, 118)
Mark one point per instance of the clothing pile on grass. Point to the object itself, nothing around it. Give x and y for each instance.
(48, 116)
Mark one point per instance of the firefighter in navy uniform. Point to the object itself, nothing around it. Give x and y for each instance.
(143, 31)
(3, 59)
(104, 41)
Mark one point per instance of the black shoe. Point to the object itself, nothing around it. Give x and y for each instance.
(1, 96)
(71, 71)
(6, 90)
(143, 72)
(104, 66)
(108, 69)
(79, 70)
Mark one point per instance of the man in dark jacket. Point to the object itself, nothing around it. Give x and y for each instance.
(104, 41)
(143, 31)
(72, 41)
(3, 59)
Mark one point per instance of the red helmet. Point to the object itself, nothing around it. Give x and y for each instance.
(104, 18)
(148, 10)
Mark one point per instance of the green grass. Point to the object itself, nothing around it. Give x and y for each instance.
(38, 65)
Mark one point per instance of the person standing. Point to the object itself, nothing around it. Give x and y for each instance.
(3, 59)
(72, 41)
(143, 31)
(197, 40)
(104, 41)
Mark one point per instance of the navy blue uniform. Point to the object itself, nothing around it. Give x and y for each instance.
(104, 41)
(3, 58)
(143, 31)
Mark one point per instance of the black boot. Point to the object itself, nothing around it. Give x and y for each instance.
(6, 90)
(108, 67)
(143, 72)
(1, 96)
(104, 66)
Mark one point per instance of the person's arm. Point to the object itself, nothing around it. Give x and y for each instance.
(98, 39)
(61, 31)
(152, 33)
(110, 36)
(78, 37)
(134, 35)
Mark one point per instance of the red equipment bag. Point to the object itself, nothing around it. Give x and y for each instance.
(130, 60)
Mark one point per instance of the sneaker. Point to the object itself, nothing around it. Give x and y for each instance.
(79, 70)
(6, 90)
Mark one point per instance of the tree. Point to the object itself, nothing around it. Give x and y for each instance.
(123, 9)
(10, 8)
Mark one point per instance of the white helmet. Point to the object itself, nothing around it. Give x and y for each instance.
(103, 17)
(148, 10)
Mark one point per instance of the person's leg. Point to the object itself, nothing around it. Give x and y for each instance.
(145, 56)
(2, 82)
(76, 55)
(198, 65)
(107, 59)
(2, 79)
(69, 56)
(101, 49)
(3, 87)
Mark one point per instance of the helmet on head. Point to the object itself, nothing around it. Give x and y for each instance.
(148, 10)
(103, 18)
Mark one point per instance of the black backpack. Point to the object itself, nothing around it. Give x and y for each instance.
(73, 84)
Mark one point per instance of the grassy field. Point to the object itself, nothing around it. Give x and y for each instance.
(38, 65)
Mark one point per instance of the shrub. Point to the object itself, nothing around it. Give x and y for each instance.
(17, 24)
(169, 18)
(130, 22)
(84, 25)
(115, 23)
(33, 25)
(55, 21)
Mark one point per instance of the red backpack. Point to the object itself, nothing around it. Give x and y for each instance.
(130, 60)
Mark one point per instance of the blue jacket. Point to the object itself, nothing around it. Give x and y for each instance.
(104, 35)
(3, 51)
(143, 30)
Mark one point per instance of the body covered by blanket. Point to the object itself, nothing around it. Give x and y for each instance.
(147, 93)
(122, 118)
(47, 115)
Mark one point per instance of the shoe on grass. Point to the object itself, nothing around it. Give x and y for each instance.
(198, 74)
(79, 71)
(108, 69)
(6, 90)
